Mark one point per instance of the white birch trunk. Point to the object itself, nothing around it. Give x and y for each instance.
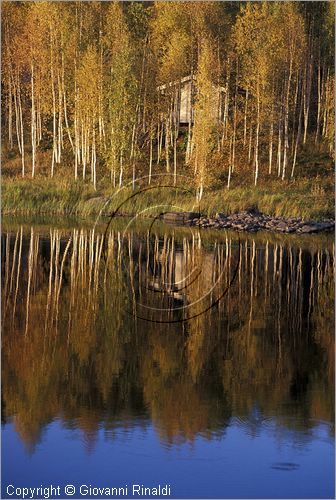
(158, 143)
(297, 139)
(318, 102)
(167, 145)
(270, 154)
(245, 116)
(230, 158)
(256, 153)
(33, 120)
(150, 154)
(83, 149)
(94, 157)
(54, 150)
(10, 109)
(293, 124)
(250, 144)
(65, 107)
(226, 104)
(121, 168)
(60, 132)
(17, 114)
(21, 129)
(284, 164)
(307, 97)
(279, 149)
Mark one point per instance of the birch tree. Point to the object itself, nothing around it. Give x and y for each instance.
(87, 110)
(120, 91)
(205, 116)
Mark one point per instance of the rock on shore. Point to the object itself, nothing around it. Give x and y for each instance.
(252, 221)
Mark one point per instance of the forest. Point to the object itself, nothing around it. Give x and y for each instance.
(91, 91)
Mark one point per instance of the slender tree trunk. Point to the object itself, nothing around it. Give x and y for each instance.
(150, 153)
(270, 155)
(76, 145)
(325, 104)
(21, 128)
(33, 120)
(318, 101)
(9, 70)
(188, 149)
(279, 149)
(10, 109)
(167, 145)
(293, 125)
(245, 116)
(256, 154)
(233, 157)
(284, 164)
(133, 140)
(17, 114)
(94, 156)
(87, 140)
(250, 144)
(161, 140)
(121, 167)
(200, 190)
(226, 104)
(101, 85)
(308, 78)
(76, 120)
(83, 134)
(60, 131)
(38, 113)
(176, 127)
(54, 150)
(230, 169)
(297, 138)
(133, 175)
(158, 143)
(65, 107)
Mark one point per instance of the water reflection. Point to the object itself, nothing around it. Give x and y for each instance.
(74, 349)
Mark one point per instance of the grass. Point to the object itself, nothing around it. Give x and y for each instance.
(288, 199)
(41, 196)
(306, 199)
(310, 195)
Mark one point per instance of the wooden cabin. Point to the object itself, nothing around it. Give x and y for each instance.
(186, 91)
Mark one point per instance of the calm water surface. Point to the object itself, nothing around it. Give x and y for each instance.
(195, 360)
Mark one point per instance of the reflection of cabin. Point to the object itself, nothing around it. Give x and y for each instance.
(175, 273)
(186, 90)
(173, 280)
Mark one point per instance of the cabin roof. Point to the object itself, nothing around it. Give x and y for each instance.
(185, 79)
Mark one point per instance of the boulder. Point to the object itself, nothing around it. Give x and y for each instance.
(221, 215)
(253, 209)
(309, 229)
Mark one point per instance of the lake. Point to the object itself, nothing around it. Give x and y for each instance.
(145, 360)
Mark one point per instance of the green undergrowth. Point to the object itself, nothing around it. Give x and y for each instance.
(288, 199)
(307, 198)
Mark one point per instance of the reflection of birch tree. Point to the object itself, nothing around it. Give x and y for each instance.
(68, 313)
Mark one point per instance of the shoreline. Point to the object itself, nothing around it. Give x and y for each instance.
(288, 211)
(249, 220)
(252, 221)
